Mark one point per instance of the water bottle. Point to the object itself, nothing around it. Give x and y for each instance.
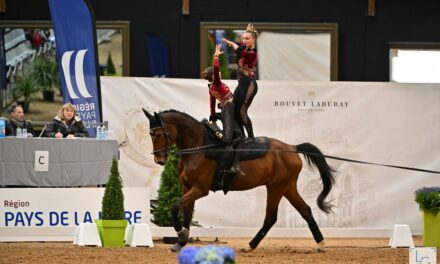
(24, 133)
(103, 132)
(2, 128)
(98, 132)
(19, 132)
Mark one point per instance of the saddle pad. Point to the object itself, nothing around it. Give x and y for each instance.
(247, 151)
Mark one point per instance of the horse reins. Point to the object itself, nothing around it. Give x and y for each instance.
(205, 147)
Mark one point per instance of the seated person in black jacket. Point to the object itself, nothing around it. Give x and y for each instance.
(17, 121)
(66, 124)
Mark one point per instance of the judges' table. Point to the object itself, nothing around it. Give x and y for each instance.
(71, 162)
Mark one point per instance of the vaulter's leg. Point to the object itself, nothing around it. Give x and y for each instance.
(273, 200)
(228, 123)
(250, 94)
(305, 211)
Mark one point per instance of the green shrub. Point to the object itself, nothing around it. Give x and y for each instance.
(428, 198)
(113, 200)
(169, 192)
(25, 87)
(110, 65)
(45, 73)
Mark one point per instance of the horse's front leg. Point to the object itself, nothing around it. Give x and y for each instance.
(187, 204)
(183, 234)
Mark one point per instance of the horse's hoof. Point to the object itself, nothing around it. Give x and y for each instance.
(183, 235)
(320, 248)
(246, 249)
(176, 247)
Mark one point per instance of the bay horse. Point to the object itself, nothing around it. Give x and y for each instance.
(278, 170)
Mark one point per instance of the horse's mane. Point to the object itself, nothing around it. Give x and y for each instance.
(192, 119)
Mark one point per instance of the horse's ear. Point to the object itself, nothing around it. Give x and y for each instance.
(147, 114)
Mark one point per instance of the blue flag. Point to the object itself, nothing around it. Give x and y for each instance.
(75, 37)
(3, 82)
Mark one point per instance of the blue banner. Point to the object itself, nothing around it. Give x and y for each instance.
(3, 82)
(75, 37)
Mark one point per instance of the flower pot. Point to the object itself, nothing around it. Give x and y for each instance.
(431, 228)
(170, 240)
(48, 95)
(111, 232)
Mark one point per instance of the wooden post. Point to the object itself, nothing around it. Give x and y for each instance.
(185, 7)
(2, 6)
(371, 8)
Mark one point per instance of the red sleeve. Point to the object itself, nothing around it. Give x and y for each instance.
(215, 64)
(212, 103)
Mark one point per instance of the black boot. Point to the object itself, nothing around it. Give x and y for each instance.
(235, 168)
(249, 140)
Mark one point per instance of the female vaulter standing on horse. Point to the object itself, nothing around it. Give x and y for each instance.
(247, 86)
(220, 91)
(278, 168)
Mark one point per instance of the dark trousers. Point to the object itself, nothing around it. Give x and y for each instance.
(243, 96)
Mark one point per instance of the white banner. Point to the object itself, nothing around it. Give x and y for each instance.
(387, 123)
(65, 207)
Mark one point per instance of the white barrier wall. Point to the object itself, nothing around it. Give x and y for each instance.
(390, 123)
(65, 207)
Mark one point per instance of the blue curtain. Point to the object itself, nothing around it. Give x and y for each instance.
(2, 60)
(158, 56)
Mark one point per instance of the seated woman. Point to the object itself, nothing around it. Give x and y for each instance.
(221, 92)
(66, 124)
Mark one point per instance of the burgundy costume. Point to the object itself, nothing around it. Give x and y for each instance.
(247, 59)
(218, 90)
(247, 87)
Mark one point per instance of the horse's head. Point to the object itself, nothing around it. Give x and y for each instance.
(160, 137)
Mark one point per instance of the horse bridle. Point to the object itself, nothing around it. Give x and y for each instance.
(168, 148)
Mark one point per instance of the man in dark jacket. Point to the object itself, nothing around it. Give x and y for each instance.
(17, 121)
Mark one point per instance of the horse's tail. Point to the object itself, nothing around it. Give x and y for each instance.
(313, 155)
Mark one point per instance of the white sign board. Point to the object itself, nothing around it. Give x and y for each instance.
(423, 255)
(41, 160)
(65, 207)
(388, 123)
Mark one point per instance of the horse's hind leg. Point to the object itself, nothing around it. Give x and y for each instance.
(305, 211)
(273, 200)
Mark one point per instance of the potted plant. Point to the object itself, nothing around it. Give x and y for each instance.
(44, 72)
(428, 199)
(169, 192)
(25, 87)
(111, 226)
